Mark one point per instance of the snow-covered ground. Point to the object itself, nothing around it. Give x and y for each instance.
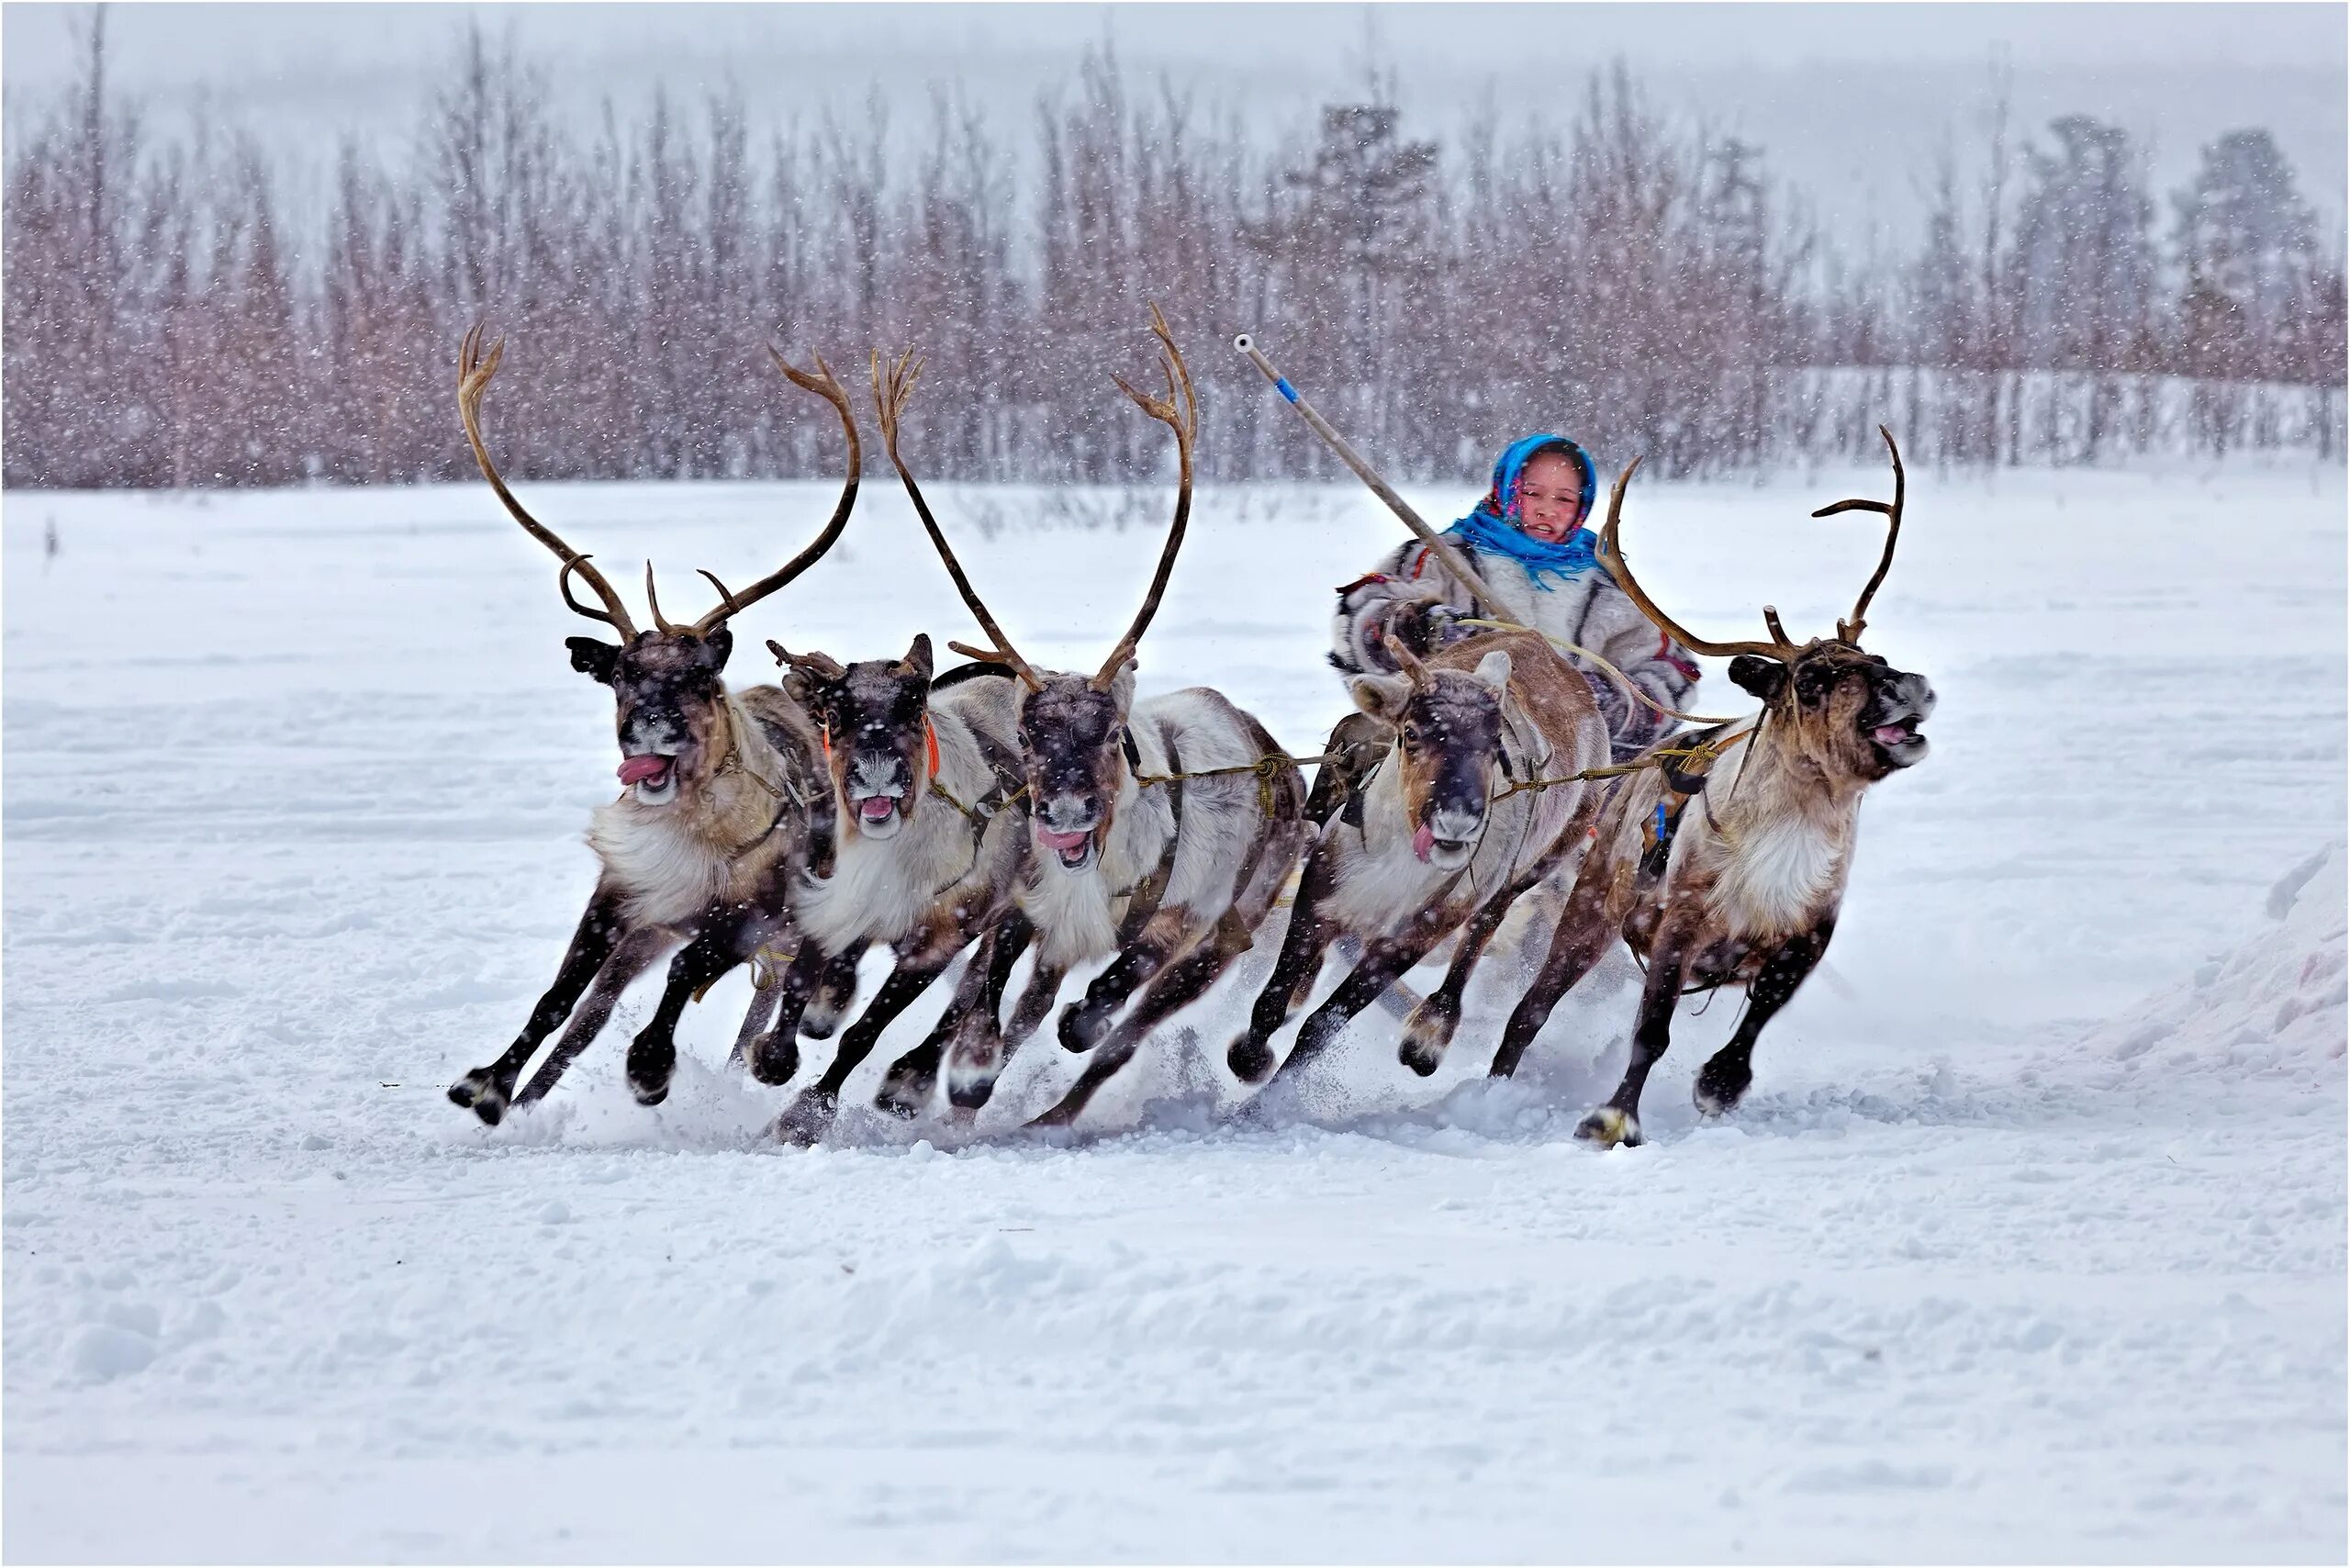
(2029, 1242)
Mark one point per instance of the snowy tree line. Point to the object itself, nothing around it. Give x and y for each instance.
(1647, 284)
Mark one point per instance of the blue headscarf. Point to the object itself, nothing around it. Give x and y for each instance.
(1493, 528)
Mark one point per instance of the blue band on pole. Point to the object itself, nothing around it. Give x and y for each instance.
(1282, 385)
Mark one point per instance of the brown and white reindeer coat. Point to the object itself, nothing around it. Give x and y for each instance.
(1476, 798)
(1159, 832)
(1759, 818)
(721, 809)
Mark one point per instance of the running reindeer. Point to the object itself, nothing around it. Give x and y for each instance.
(721, 811)
(1745, 889)
(1161, 831)
(924, 780)
(1479, 795)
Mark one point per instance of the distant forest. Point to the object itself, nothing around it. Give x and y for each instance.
(1611, 272)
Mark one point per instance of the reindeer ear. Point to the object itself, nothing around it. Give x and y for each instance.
(917, 659)
(1758, 677)
(589, 656)
(1493, 671)
(720, 643)
(1122, 688)
(1382, 697)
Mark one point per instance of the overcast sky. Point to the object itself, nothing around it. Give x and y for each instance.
(1849, 100)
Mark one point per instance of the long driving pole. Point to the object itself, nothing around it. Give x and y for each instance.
(1452, 559)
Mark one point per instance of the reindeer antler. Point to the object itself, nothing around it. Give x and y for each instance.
(825, 384)
(1611, 555)
(1849, 630)
(1184, 420)
(473, 372)
(892, 391)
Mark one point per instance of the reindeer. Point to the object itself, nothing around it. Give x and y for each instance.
(1160, 831)
(924, 780)
(721, 808)
(1477, 795)
(1745, 890)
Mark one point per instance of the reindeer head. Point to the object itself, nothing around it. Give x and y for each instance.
(1074, 742)
(667, 682)
(1848, 714)
(878, 741)
(1448, 726)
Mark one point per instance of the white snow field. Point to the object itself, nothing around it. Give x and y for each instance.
(2028, 1244)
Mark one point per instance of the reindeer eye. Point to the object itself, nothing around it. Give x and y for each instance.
(1411, 735)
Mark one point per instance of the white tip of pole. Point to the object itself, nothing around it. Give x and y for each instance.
(1244, 342)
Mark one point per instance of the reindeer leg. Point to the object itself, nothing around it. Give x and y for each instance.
(1427, 1033)
(1383, 960)
(485, 1090)
(835, 989)
(1304, 945)
(635, 955)
(976, 1054)
(774, 1056)
(1588, 925)
(808, 1117)
(1043, 988)
(1618, 1121)
(1166, 933)
(725, 939)
(1722, 1081)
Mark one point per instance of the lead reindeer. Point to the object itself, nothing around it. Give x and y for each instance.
(1743, 887)
(721, 811)
(1161, 831)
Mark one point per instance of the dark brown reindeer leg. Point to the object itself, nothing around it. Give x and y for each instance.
(1427, 1033)
(486, 1090)
(636, 953)
(1304, 945)
(934, 948)
(906, 1087)
(1587, 928)
(1189, 979)
(1162, 936)
(1036, 999)
(976, 1052)
(1618, 1121)
(835, 990)
(1383, 961)
(1722, 1081)
(774, 1057)
(726, 938)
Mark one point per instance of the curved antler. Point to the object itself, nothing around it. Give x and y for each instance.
(827, 386)
(1611, 555)
(1849, 630)
(1184, 420)
(473, 372)
(891, 392)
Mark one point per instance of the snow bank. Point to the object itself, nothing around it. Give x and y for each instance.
(2277, 1000)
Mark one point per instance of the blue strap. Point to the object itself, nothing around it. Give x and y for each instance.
(1282, 385)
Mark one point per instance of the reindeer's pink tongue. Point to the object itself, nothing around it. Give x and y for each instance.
(875, 807)
(650, 765)
(1059, 840)
(1424, 841)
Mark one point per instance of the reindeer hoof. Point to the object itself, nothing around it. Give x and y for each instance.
(1083, 1026)
(1427, 1033)
(482, 1094)
(807, 1118)
(905, 1095)
(651, 1064)
(1250, 1059)
(1720, 1087)
(1609, 1126)
(775, 1056)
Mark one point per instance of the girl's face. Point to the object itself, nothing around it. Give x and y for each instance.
(1549, 498)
